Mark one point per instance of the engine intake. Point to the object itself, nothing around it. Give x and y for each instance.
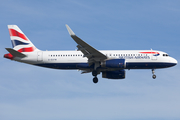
(114, 63)
(119, 74)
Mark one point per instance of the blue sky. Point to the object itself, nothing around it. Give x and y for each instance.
(29, 92)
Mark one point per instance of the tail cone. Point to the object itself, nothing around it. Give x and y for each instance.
(8, 56)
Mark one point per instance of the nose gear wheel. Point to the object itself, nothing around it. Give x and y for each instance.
(154, 76)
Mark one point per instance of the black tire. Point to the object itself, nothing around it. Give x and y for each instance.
(154, 76)
(95, 80)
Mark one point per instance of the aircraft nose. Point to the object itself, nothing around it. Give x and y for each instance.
(174, 61)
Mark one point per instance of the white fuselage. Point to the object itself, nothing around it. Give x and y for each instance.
(135, 59)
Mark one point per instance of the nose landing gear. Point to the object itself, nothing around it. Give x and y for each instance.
(154, 76)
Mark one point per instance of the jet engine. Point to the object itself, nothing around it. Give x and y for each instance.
(114, 63)
(119, 74)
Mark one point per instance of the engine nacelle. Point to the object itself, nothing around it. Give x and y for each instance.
(119, 74)
(114, 63)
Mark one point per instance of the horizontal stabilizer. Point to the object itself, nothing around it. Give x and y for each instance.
(15, 53)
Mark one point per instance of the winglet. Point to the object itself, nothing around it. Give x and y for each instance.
(69, 30)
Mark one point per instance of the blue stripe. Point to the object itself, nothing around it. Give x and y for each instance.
(134, 65)
(17, 42)
(148, 65)
(156, 55)
(65, 65)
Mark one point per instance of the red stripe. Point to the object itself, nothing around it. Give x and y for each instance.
(13, 32)
(149, 52)
(30, 49)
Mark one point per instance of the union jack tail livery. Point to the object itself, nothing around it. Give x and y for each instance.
(19, 40)
(21, 44)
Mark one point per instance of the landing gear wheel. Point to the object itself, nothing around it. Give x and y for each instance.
(154, 76)
(95, 79)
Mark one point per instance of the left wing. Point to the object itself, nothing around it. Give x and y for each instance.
(91, 53)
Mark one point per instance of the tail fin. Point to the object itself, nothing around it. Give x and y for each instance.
(19, 40)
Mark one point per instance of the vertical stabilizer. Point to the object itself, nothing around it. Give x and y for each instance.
(19, 40)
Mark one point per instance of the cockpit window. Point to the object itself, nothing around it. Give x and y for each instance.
(165, 55)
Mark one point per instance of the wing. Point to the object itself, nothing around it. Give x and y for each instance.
(91, 53)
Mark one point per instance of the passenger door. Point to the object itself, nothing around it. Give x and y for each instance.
(40, 56)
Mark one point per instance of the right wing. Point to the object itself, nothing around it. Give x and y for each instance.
(91, 53)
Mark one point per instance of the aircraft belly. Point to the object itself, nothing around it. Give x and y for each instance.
(65, 65)
(148, 65)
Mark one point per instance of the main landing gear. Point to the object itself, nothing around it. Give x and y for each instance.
(95, 79)
(154, 76)
(95, 72)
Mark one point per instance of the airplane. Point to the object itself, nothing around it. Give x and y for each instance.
(111, 63)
